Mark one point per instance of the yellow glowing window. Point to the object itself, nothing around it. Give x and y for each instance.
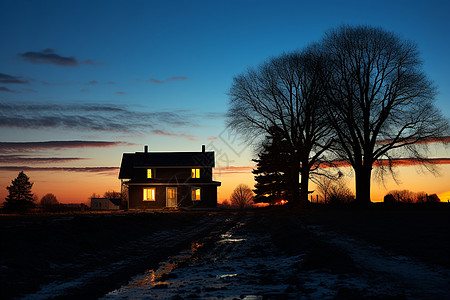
(149, 194)
(196, 194)
(149, 173)
(171, 193)
(195, 173)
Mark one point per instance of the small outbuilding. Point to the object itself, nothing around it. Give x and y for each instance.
(105, 204)
(169, 179)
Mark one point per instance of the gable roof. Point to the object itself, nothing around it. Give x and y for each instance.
(164, 159)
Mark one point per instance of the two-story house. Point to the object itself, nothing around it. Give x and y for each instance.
(169, 179)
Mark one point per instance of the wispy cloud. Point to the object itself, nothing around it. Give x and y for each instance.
(186, 136)
(48, 56)
(7, 79)
(5, 89)
(233, 170)
(8, 147)
(93, 82)
(120, 93)
(102, 117)
(212, 138)
(14, 159)
(98, 170)
(176, 78)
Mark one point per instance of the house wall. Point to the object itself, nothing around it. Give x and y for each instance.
(140, 174)
(136, 196)
(208, 197)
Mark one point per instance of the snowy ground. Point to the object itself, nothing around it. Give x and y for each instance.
(227, 255)
(243, 263)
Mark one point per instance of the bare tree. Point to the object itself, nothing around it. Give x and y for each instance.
(49, 200)
(242, 196)
(407, 196)
(334, 190)
(380, 101)
(324, 184)
(112, 195)
(285, 93)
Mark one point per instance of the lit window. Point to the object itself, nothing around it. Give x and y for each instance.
(149, 194)
(195, 194)
(149, 173)
(195, 173)
(171, 193)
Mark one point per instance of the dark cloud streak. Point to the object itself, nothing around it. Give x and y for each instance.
(176, 78)
(26, 159)
(5, 89)
(101, 117)
(48, 56)
(6, 79)
(98, 170)
(8, 147)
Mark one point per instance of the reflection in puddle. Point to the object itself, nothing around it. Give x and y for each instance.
(231, 240)
(223, 270)
(226, 276)
(157, 278)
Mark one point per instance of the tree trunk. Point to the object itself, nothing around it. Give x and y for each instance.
(295, 185)
(304, 184)
(363, 176)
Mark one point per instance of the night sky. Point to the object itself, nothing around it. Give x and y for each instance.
(81, 82)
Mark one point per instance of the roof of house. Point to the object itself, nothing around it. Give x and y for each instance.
(164, 159)
(115, 201)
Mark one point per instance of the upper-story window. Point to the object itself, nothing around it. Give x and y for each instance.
(195, 173)
(149, 173)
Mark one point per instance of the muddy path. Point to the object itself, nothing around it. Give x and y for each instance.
(265, 258)
(252, 255)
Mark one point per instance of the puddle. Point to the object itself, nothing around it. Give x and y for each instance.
(226, 269)
(157, 278)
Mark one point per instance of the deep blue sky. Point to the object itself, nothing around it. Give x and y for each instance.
(157, 72)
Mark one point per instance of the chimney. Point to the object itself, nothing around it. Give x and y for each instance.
(145, 149)
(203, 148)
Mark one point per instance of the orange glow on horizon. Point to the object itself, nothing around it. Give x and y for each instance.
(77, 187)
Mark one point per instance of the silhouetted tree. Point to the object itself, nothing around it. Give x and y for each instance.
(407, 196)
(379, 100)
(272, 171)
(285, 92)
(334, 190)
(112, 195)
(242, 196)
(323, 185)
(49, 201)
(20, 197)
(340, 193)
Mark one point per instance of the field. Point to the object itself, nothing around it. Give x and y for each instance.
(268, 253)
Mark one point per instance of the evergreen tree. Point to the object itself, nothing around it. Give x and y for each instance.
(272, 171)
(20, 197)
